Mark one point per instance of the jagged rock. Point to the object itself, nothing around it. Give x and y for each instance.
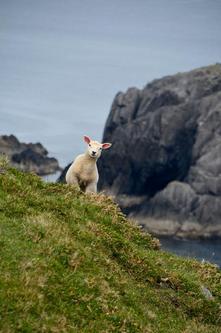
(61, 178)
(167, 151)
(28, 157)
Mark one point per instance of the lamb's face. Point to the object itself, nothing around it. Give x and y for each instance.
(95, 148)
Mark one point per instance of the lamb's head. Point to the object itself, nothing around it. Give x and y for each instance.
(95, 148)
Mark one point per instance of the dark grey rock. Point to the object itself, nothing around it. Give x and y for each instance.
(167, 150)
(28, 156)
(61, 178)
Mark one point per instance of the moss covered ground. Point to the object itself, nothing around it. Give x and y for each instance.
(71, 262)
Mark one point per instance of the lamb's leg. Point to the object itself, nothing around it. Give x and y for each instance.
(71, 179)
(91, 188)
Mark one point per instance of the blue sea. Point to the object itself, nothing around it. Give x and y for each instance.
(201, 249)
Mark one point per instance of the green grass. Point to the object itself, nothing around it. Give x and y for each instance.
(71, 262)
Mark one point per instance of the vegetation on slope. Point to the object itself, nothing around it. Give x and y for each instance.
(71, 262)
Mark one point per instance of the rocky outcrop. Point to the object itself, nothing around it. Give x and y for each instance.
(164, 167)
(28, 157)
(61, 178)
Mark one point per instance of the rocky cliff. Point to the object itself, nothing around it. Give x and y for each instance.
(165, 163)
(30, 157)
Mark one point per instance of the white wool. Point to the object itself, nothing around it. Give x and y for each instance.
(83, 171)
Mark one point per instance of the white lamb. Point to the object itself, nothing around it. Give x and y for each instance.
(83, 171)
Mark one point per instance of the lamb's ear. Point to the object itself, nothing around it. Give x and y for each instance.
(87, 139)
(106, 145)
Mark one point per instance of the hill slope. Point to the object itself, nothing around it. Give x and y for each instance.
(73, 263)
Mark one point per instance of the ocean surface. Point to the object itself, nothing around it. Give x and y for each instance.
(202, 250)
(62, 62)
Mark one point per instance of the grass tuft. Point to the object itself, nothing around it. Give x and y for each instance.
(4, 163)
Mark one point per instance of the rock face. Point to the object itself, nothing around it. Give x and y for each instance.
(28, 157)
(61, 178)
(164, 167)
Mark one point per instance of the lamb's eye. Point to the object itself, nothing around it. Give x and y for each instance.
(100, 148)
(89, 145)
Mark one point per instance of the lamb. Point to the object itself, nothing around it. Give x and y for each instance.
(83, 171)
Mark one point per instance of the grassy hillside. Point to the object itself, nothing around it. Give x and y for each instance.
(72, 263)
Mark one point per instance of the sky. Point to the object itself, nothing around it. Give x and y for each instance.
(62, 62)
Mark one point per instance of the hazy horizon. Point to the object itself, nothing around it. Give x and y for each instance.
(62, 62)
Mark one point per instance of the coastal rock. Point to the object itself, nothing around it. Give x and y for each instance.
(167, 152)
(28, 156)
(61, 178)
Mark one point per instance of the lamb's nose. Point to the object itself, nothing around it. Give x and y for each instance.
(93, 152)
